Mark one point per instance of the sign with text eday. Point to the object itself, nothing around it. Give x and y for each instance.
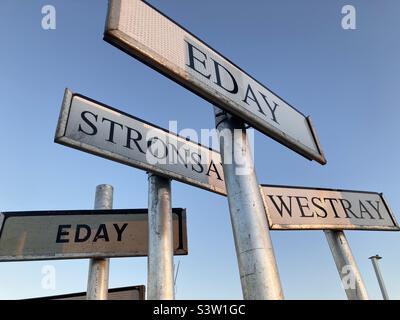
(148, 35)
(299, 208)
(46, 235)
(96, 128)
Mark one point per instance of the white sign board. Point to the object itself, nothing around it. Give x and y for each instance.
(125, 293)
(145, 33)
(45, 235)
(93, 127)
(299, 208)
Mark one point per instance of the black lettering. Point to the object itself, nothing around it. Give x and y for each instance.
(197, 162)
(302, 206)
(78, 233)
(363, 209)
(101, 233)
(346, 204)
(136, 140)
(112, 129)
(192, 59)
(320, 207)
(376, 208)
(150, 144)
(120, 230)
(212, 165)
(252, 97)
(90, 124)
(61, 233)
(283, 204)
(333, 206)
(273, 110)
(218, 76)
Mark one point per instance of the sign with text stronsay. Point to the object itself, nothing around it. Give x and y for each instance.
(99, 129)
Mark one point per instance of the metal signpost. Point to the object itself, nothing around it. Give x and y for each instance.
(102, 130)
(81, 234)
(124, 293)
(142, 31)
(374, 260)
(97, 287)
(346, 265)
(160, 278)
(299, 208)
(85, 124)
(139, 29)
(148, 35)
(258, 270)
(96, 128)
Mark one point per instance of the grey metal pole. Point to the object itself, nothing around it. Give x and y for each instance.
(346, 265)
(97, 287)
(257, 266)
(378, 273)
(160, 263)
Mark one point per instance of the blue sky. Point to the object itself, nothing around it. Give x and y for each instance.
(347, 80)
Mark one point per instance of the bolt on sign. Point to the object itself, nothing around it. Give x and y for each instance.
(96, 128)
(148, 35)
(125, 293)
(46, 235)
(300, 208)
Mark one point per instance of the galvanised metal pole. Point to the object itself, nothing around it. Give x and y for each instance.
(257, 266)
(97, 288)
(378, 273)
(160, 263)
(346, 265)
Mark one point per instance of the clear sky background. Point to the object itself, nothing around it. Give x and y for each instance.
(347, 80)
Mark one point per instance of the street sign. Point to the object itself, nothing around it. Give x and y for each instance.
(125, 293)
(300, 208)
(46, 235)
(148, 35)
(96, 128)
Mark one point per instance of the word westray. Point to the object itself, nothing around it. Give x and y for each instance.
(301, 208)
(322, 207)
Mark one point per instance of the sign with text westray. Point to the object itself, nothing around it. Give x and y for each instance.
(299, 208)
(45, 235)
(93, 127)
(148, 35)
